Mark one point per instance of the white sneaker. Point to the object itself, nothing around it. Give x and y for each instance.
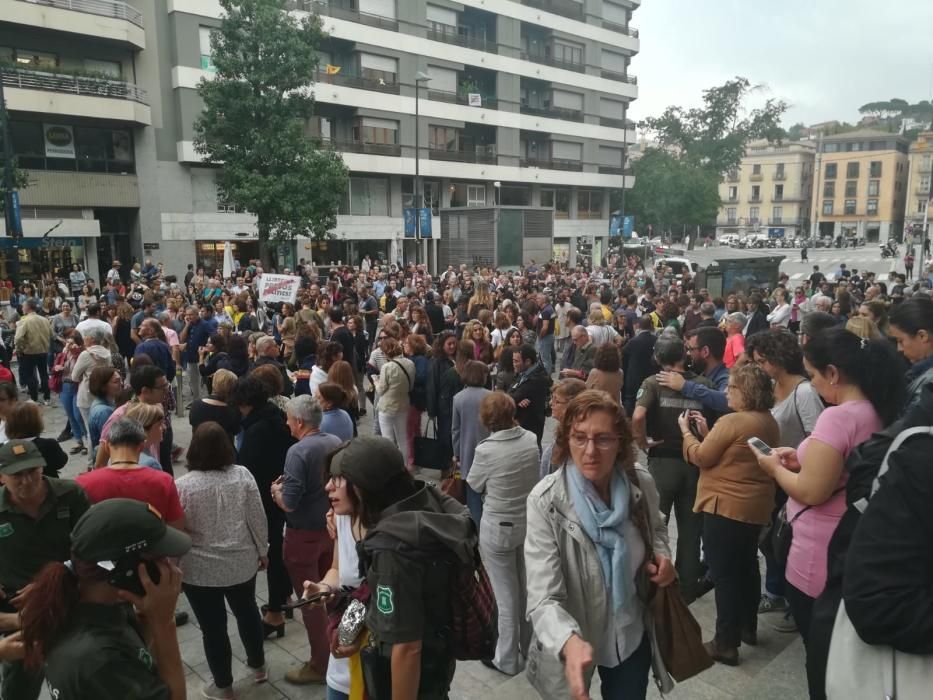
(212, 692)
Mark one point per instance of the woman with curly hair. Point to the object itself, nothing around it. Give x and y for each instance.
(482, 348)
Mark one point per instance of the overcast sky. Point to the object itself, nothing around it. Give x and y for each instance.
(826, 58)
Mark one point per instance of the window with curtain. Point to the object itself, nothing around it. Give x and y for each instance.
(369, 196)
(204, 38)
(565, 150)
(371, 130)
(384, 68)
(589, 204)
(443, 138)
(380, 8)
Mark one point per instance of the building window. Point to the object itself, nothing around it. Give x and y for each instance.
(382, 70)
(777, 214)
(443, 138)
(381, 131)
(874, 187)
(562, 204)
(872, 207)
(368, 196)
(829, 189)
(756, 169)
(515, 196)
(730, 214)
(733, 193)
(225, 207)
(753, 213)
(830, 147)
(851, 188)
(924, 180)
(204, 36)
(40, 60)
(567, 52)
(476, 195)
(778, 192)
(93, 150)
(756, 193)
(852, 170)
(547, 198)
(849, 207)
(589, 204)
(874, 169)
(921, 206)
(828, 208)
(779, 170)
(831, 171)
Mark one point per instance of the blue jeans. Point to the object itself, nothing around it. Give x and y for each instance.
(69, 398)
(336, 695)
(546, 352)
(628, 680)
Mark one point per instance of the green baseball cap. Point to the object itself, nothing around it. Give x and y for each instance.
(19, 455)
(119, 527)
(368, 461)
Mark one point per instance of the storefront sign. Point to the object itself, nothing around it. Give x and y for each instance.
(278, 288)
(59, 141)
(42, 242)
(150, 246)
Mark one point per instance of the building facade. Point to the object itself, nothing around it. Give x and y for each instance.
(918, 182)
(526, 105)
(770, 192)
(860, 187)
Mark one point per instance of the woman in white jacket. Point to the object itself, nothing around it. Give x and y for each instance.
(396, 380)
(95, 354)
(780, 317)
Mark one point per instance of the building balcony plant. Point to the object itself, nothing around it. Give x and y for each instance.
(74, 81)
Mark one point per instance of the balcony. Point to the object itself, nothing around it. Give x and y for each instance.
(780, 175)
(573, 115)
(541, 57)
(620, 77)
(756, 177)
(374, 149)
(614, 170)
(384, 84)
(112, 20)
(461, 99)
(479, 154)
(732, 200)
(616, 123)
(75, 95)
(564, 8)
(345, 13)
(777, 198)
(754, 199)
(460, 35)
(551, 164)
(922, 191)
(621, 29)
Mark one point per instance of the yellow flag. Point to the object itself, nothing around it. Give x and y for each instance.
(332, 70)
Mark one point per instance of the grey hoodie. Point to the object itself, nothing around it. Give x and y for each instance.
(93, 356)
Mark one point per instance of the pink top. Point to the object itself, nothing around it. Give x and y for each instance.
(842, 428)
(735, 346)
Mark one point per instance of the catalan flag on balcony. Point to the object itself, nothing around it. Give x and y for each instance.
(331, 70)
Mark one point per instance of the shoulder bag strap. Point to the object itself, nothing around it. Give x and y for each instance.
(902, 436)
(806, 508)
(405, 372)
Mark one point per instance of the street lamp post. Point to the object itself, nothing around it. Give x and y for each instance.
(10, 228)
(420, 77)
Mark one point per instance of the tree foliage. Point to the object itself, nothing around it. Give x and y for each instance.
(671, 192)
(713, 137)
(254, 122)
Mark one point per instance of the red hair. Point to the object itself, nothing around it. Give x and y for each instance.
(47, 611)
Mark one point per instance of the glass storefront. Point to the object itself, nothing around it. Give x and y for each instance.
(210, 254)
(40, 257)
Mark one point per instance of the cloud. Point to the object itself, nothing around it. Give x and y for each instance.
(826, 58)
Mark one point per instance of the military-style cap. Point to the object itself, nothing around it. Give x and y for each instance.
(119, 527)
(19, 455)
(368, 461)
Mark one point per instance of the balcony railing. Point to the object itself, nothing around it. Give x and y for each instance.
(614, 170)
(347, 13)
(564, 8)
(104, 8)
(780, 175)
(733, 200)
(355, 81)
(621, 28)
(753, 199)
(777, 198)
(73, 84)
(617, 123)
(756, 177)
(480, 154)
(538, 57)
(375, 149)
(574, 115)
(921, 190)
(621, 77)
(459, 36)
(461, 99)
(551, 164)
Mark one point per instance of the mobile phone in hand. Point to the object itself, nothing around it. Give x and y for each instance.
(760, 445)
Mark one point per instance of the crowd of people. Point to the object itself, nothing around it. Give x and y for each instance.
(759, 420)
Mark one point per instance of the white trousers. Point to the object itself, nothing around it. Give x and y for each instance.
(501, 546)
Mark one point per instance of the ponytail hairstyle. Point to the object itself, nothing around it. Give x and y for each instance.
(50, 605)
(872, 365)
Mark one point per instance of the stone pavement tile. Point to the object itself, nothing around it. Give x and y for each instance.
(301, 692)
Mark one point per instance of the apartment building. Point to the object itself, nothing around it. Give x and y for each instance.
(920, 159)
(77, 113)
(770, 192)
(860, 187)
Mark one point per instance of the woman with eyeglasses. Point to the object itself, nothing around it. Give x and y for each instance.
(736, 500)
(599, 512)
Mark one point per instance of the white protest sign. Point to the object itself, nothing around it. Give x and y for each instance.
(278, 288)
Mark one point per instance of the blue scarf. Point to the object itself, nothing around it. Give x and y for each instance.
(604, 527)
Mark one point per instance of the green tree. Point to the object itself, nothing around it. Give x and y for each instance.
(713, 137)
(796, 132)
(671, 192)
(254, 124)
